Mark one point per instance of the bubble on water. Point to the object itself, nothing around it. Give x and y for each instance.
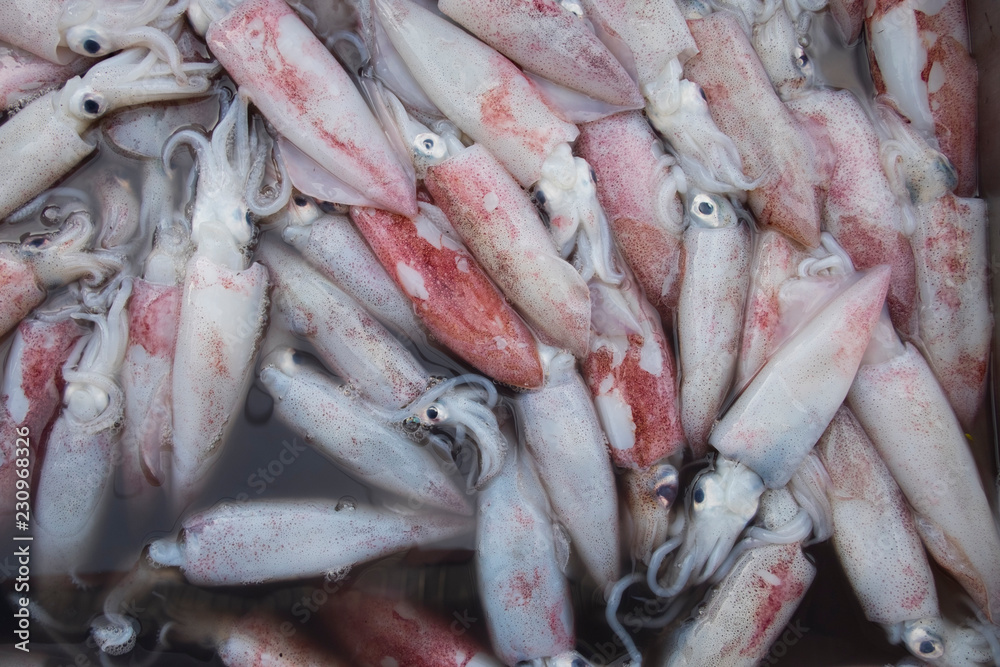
(337, 574)
(349, 503)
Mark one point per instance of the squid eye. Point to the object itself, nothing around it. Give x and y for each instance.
(539, 196)
(87, 41)
(91, 46)
(705, 208)
(701, 91)
(91, 106)
(434, 414)
(301, 201)
(698, 496)
(429, 145)
(924, 643)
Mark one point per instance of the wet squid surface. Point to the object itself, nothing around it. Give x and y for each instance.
(494, 333)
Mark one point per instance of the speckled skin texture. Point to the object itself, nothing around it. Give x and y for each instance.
(154, 313)
(709, 321)
(24, 76)
(32, 388)
(275, 540)
(478, 89)
(849, 16)
(33, 25)
(747, 612)
(525, 595)
(256, 640)
(782, 413)
(653, 30)
(775, 260)
(345, 430)
(376, 631)
(903, 409)
(339, 252)
(565, 440)
(956, 324)
(36, 136)
(348, 339)
(770, 141)
(544, 37)
(873, 529)
(501, 227)
(639, 196)
(860, 209)
(301, 89)
(453, 296)
(221, 321)
(950, 74)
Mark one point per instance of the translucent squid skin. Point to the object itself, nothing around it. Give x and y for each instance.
(221, 322)
(256, 639)
(376, 630)
(919, 57)
(637, 187)
(370, 449)
(775, 259)
(277, 540)
(710, 314)
(770, 141)
(501, 227)
(747, 611)
(332, 245)
(901, 406)
(849, 17)
(478, 89)
(546, 38)
(154, 313)
(24, 76)
(954, 315)
(525, 595)
(632, 374)
(873, 530)
(775, 422)
(29, 395)
(452, 295)
(305, 93)
(861, 209)
(654, 31)
(565, 440)
(359, 349)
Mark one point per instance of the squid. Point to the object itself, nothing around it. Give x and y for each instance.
(651, 495)
(776, 38)
(303, 91)
(332, 245)
(30, 391)
(753, 604)
(773, 146)
(49, 132)
(920, 61)
(277, 540)
(877, 542)
(224, 298)
(905, 412)
(551, 39)
(861, 209)
(61, 30)
(318, 408)
(521, 584)
(710, 310)
(376, 630)
(640, 186)
(79, 451)
(501, 227)
(45, 261)
(564, 437)
(452, 295)
(491, 101)
(954, 318)
(25, 76)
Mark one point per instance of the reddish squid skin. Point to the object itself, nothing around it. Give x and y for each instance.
(501, 226)
(952, 79)
(300, 88)
(23, 76)
(545, 38)
(860, 209)
(651, 396)
(849, 16)
(257, 640)
(19, 289)
(744, 106)
(453, 296)
(645, 216)
(375, 631)
(40, 349)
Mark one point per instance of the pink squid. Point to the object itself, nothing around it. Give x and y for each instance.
(25, 76)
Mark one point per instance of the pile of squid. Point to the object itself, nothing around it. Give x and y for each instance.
(625, 296)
